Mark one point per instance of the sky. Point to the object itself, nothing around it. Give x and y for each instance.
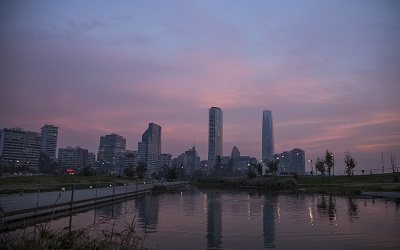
(328, 70)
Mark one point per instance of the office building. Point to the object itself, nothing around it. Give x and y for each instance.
(49, 140)
(149, 149)
(215, 135)
(111, 154)
(72, 158)
(165, 160)
(20, 149)
(267, 136)
(291, 161)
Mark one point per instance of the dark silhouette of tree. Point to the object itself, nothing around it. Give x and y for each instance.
(141, 169)
(130, 170)
(350, 163)
(172, 173)
(46, 164)
(320, 166)
(87, 171)
(259, 169)
(329, 160)
(273, 165)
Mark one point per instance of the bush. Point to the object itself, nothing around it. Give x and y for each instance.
(251, 175)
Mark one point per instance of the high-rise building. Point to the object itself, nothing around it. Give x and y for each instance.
(215, 134)
(292, 161)
(149, 149)
(72, 158)
(166, 160)
(193, 160)
(267, 136)
(111, 154)
(49, 140)
(20, 149)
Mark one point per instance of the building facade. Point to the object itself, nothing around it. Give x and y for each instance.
(111, 154)
(292, 161)
(149, 149)
(165, 160)
(49, 140)
(20, 149)
(72, 158)
(267, 136)
(215, 134)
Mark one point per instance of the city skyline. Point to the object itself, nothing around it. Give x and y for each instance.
(327, 70)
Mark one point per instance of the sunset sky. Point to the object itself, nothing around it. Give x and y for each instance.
(328, 70)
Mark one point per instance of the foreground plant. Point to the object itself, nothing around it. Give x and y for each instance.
(43, 238)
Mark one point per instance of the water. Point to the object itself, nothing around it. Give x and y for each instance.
(194, 218)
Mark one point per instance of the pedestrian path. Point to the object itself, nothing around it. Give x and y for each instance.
(28, 205)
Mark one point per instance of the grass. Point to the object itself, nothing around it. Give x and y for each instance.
(376, 182)
(54, 182)
(271, 183)
(43, 238)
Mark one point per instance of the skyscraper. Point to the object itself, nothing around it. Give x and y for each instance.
(111, 154)
(215, 131)
(20, 149)
(267, 136)
(49, 140)
(149, 149)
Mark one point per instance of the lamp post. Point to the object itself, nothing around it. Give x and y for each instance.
(312, 173)
(333, 166)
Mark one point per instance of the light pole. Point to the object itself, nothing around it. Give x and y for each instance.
(333, 166)
(312, 173)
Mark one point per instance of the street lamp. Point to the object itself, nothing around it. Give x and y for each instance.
(333, 161)
(312, 173)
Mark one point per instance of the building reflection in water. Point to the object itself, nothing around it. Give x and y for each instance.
(270, 206)
(214, 221)
(148, 208)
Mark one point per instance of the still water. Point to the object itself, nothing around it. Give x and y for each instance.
(193, 218)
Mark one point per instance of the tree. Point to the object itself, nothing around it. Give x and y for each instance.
(329, 160)
(320, 166)
(172, 173)
(259, 169)
(141, 169)
(350, 163)
(273, 165)
(129, 170)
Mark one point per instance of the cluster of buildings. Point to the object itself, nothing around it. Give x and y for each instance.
(22, 150)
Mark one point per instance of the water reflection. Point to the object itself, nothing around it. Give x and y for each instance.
(148, 208)
(352, 205)
(270, 205)
(327, 206)
(214, 221)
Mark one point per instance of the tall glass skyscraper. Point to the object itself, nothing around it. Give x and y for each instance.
(267, 136)
(149, 149)
(215, 129)
(49, 140)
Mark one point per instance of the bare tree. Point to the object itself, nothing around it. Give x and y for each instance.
(329, 160)
(350, 163)
(320, 166)
(392, 160)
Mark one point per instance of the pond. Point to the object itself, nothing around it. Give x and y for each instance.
(201, 218)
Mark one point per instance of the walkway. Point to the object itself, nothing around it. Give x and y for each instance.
(31, 205)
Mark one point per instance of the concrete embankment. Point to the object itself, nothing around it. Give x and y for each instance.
(23, 208)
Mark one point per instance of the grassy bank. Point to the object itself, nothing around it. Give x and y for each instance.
(270, 183)
(377, 182)
(332, 184)
(54, 182)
